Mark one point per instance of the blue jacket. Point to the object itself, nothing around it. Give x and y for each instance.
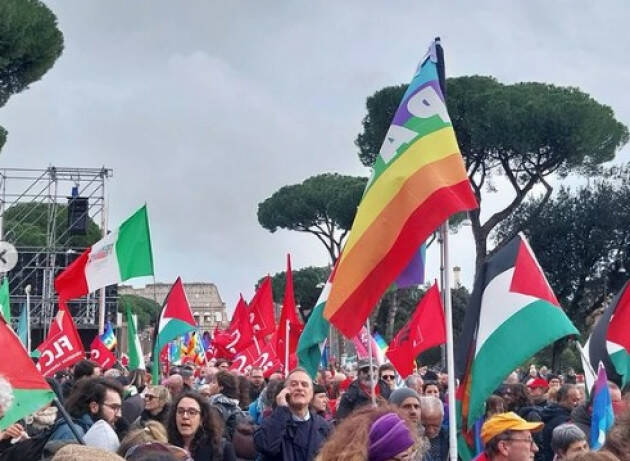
(282, 438)
(61, 430)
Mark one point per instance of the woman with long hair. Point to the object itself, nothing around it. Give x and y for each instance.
(196, 427)
(372, 433)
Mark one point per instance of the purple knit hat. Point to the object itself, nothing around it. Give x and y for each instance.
(389, 435)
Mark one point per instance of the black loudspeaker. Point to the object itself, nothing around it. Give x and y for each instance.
(77, 215)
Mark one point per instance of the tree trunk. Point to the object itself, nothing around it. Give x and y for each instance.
(391, 315)
(481, 241)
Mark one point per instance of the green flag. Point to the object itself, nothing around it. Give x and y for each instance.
(5, 300)
(313, 338)
(23, 326)
(136, 358)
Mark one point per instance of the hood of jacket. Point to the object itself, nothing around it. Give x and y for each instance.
(553, 411)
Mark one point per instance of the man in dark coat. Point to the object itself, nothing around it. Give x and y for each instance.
(292, 432)
(557, 413)
(359, 392)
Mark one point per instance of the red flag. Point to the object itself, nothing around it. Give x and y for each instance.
(101, 355)
(426, 329)
(242, 334)
(220, 341)
(288, 316)
(71, 283)
(124, 360)
(267, 359)
(62, 348)
(261, 314)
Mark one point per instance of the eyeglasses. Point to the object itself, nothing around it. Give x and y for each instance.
(388, 377)
(528, 440)
(192, 412)
(150, 397)
(114, 407)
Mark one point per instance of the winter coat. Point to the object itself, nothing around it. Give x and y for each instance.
(282, 438)
(225, 405)
(581, 417)
(41, 420)
(553, 415)
(203, 452)
(161, 417)
(352, 399)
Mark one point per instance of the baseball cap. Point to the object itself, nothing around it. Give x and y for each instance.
(509, 421)
(537, 383)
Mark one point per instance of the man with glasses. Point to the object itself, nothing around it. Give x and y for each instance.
(91, 399)
(386, 379)
(508, 437)
(359, 393)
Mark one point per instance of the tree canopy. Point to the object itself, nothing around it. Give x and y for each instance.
(30, 43)
(25, 224)
(523, 132)
(307, 285)
(146, 309)
(581, 238)
(323, 205)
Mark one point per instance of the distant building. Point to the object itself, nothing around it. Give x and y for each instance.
(207, 306)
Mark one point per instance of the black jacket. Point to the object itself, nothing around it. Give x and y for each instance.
(553, 415)
(283, 439)
(353, 398)
(203, 452)
(581, 416)
(161, 417)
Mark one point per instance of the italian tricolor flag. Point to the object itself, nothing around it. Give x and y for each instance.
(513, 313)
(313, 338)
(123, 254)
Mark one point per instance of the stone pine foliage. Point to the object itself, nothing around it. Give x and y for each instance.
(146, 309)
(522, 132)
(322, 205)
(582, 240)
(30, 43)
(25, 225)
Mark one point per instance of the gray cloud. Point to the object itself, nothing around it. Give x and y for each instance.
(205, 108)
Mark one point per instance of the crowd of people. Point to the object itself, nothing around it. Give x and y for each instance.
(362, 412)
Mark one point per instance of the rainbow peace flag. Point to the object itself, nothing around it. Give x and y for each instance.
(418, 181)
(109, 337)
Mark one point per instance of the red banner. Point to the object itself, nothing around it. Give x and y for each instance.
(267, 359)
(101, 355)
(62, 348)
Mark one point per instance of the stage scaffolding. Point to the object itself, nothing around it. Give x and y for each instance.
(50, 191)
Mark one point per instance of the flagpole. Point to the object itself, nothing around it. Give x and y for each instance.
(286, 348)
(372, 384)
(27, 290)
(446, 292)
(101, 304)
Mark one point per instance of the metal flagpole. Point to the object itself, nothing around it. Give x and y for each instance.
(446, 292)
(286, 348)
(101, 303)
(450, 363)
(27, 290)
(372, 384)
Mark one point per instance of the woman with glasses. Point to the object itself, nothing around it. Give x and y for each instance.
(156, 405)
(197, 428)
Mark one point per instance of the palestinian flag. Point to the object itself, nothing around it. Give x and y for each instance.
(313, 339)
(610, 340)
(30, 390)
(513, 313)
(123, 254)
(175, 320)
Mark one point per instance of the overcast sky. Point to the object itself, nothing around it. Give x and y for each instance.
(205, 108)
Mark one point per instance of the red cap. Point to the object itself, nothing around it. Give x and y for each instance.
(538, 382)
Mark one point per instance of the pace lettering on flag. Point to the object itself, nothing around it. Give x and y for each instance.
(426, 329)
(418, 181)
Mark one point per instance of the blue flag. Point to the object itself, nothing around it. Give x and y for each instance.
(603, 417)
(22, 330)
